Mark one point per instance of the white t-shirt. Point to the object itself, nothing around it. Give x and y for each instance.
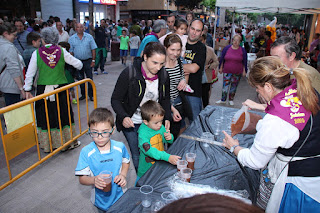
(134, 42)
(151, 93)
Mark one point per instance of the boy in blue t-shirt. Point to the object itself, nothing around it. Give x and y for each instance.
(100, 155)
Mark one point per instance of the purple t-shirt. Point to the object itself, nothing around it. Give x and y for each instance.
(233, 61)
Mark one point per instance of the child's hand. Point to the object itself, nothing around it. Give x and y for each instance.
(167, 135)
(173, 159)
(99, 182)
(120, 180)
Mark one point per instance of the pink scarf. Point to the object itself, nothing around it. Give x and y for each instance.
(145, 75)
(152, 33)
(287, 106)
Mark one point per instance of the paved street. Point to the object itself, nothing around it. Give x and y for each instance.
(52, 187)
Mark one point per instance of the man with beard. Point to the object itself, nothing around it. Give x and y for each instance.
(195, 55)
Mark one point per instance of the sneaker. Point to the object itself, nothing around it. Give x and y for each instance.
(189, 89)
(74, 101)
(104, 72)
(96, 72)
(231, 103)
(91, 98)
(220, 102)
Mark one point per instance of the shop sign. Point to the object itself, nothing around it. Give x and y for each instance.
(107, 2)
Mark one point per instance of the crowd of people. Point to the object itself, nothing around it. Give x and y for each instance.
(163, 88)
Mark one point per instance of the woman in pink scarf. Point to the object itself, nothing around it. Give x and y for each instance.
(286, 147)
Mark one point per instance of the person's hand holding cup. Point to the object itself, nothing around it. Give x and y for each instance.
(106, 178)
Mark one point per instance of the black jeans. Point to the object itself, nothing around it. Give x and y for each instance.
(11, 98)
(86, 69)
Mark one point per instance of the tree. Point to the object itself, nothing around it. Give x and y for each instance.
(189, 4)
(211, 4)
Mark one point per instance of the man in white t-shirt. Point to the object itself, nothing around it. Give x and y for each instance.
(63, 35)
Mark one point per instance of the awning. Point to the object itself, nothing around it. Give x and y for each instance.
(271, 6)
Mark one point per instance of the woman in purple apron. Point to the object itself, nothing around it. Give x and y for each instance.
(286, 146)
(49, 61)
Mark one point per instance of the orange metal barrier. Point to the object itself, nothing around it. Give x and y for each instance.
(25, 137)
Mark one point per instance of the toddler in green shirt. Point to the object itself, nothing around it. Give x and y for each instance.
(152, 135)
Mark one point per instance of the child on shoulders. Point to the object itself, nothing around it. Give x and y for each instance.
(100, 155)
(152, 135)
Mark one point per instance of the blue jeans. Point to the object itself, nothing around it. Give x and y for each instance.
(131, 135)
(196, 106)
(86, 69)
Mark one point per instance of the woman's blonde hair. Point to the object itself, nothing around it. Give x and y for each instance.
(270, 69)
(237, 35)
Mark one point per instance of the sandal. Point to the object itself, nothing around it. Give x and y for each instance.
(75, 145)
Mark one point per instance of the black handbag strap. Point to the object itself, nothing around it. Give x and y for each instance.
(4, 67)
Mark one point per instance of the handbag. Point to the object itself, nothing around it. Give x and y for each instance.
(185, 106)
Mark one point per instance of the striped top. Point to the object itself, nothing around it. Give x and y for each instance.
(175, 76)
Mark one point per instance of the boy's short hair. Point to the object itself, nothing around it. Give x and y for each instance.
(124, 31)
(151, 109)
(32, 37)
(101, 115)
(65, 45)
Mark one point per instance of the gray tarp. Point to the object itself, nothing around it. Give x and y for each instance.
(214, 166)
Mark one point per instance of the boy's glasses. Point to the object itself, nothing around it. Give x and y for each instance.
(103, 134)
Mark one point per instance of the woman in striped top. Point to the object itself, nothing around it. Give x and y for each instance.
(174, 68)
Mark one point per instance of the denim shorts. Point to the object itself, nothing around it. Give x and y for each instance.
(133, 52)
(123, 53)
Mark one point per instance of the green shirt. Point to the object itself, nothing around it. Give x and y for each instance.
(151, 147)
(124, 43)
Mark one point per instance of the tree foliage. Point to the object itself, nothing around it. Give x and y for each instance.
(189, 4)
(211, 4)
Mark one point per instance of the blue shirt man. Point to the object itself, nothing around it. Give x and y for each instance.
(20, 42)
(83, 47)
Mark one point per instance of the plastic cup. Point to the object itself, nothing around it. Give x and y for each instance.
(217, 132)
(168, 197)
(191, 158)
(146, 191)
(181, 164)
(156, 206)
(206, 136)
(186, 174)
(107, 178)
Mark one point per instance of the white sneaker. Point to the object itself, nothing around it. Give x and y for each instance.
(231, 103)
(220, 102)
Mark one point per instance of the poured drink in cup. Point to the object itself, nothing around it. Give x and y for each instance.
(181, 164)
(191, 158)
(107, 178)
(186, 174)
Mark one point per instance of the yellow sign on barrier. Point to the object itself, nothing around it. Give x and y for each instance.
(20, 140)
(18, 118)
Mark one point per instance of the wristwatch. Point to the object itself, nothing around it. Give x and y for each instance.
(232, 148)
(93, 60)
